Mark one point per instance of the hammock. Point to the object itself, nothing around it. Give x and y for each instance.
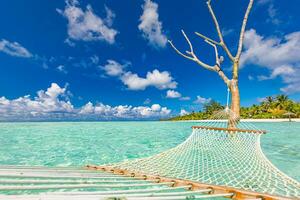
(42, 183)
(214, 161)
(216, 155)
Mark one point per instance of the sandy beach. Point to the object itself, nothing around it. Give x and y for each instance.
(271, 120)
(251, 120)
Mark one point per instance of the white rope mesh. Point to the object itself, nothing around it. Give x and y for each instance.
(219, 157)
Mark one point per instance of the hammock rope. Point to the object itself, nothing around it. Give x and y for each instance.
(228, 97)
(49, 185)
(217, 155)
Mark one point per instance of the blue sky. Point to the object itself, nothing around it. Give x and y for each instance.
(100, 59)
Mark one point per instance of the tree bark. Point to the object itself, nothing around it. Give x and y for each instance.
(235, 99)
(234, 117)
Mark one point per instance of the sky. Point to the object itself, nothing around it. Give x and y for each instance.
(111, 60)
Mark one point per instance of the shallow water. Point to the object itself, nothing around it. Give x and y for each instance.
(81, 143)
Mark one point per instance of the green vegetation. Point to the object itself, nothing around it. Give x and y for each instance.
(272, 107)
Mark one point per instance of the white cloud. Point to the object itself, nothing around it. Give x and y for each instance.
(165, 111)
(160, 80)
(156, 107)
(87, 109)
(86, 25)
(183, 112)
(113, 68)
(260, 99)
(110, 15)
(202, 100)
(173, 94)
(70, 42)
(62, 69)
(270, 51)
(278, 71)
(262, 2)
(271, 11)
(280, 56)
(94, 59)
(14, 49)
(151, 26)
(273, 15)
(44, 103)
(226, 32)
(185, 98)
(293, 87)
(53, 104)
(124, 111)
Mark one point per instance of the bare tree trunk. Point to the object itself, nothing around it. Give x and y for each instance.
(235, 97)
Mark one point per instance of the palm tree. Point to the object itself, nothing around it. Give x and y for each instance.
(269, 101)
(212, 106)
(281, 101)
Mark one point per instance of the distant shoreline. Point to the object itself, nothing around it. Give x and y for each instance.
(245, 120)
(198, 120)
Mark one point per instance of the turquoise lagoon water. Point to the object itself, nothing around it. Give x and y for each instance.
(81, 143)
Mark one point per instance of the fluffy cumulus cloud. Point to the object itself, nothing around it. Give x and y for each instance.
(279, 56)
(113, 68)
(202, 100)
(53, 104)
(160, 80)
(44, 103)
(14, 49)
(173, 94)
(86, 25)
(151, 26)
(183, 112)
(123, 111)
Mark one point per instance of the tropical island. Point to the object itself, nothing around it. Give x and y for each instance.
(270, 107)
(103, 140)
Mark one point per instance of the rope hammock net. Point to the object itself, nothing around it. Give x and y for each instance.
(217, 155)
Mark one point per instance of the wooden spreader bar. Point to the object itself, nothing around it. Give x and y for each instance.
(230, 130)
(237, 194)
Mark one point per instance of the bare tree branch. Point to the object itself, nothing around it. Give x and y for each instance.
(218, 68)
(216, 52)
(189, 42)
(222, 43)
(192, 56)
(207, 38)
(242, 34)
(179, 52)
(224, 77)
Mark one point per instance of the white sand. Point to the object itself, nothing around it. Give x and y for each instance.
(271, 120)
(252, 120)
